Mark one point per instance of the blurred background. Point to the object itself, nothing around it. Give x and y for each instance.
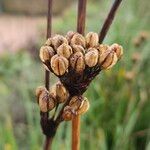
(119, 117)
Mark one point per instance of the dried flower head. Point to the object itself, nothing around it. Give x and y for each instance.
(48, 42)
(77, 62)
(39, 90)
(64, 50)
(117, 49)
(61, 93)
(59, 64)
(78, 48)
(84, 106)
(78, 39)
(92, 39)
(91, 57)
(58, 40)
(76, 102)
(46, 103)
(69, 35)
(46, 53)
(67, 113)
(109, 61)
(102, 48)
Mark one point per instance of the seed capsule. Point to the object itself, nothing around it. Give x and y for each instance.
(61, 93)
(69, 35)
(78, 48)
(58, 40)
(91, 57)
(64, 50)
(91, 39)
(110, 60)
(39, 90)
(77, 62)
(48, 42)
(76, 102)
(46, 53)
(46, 101)
(117, 49)
(84, 107)
(59, 64)
(78, 39)
(67, 113)
(102, 48)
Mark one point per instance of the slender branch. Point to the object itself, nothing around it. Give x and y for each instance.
(76, 132)
(45, 116)
(76, 118)
(109, 20)
(81, 16)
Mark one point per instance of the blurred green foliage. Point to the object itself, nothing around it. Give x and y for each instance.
(119, 98)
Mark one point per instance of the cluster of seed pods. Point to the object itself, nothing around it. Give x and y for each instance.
(72, 55)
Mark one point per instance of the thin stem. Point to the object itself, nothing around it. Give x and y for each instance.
(109, 20)
(44, 120)
(76, 132)
(81, 16)
(48, 143)
(76, 118)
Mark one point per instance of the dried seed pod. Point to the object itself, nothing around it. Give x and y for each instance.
(69, 35)
(78, 48)
(102, 48)
(84, 107)
(78, 39)
(58, 40)
(76, 102)
(64, 50)
(39, 90)
(67, 113)
(103, 55)
(48, 42)
(46, 101)
(92, 39)
(59, 64)
(61, 93)
(91, 57)
(110, 60)
(46, 53)
(77, 62)
(117, 49)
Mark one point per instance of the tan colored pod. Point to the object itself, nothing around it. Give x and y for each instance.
(69, 35)
(48, 42)
(110, 60)
(78, 48)
(64, 50)
(46, 53)
(91, 57)
(118, 49)
(58, 40)
(103, 55)
(39, 90)
(78, 39)
(102, 48)
(61, 93)
(92, 39)
(77, 62)
(76, 102)
(84, 107)
(67, 113)
(59, 64)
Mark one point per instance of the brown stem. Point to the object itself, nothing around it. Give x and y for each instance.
(76, 118)
(109, 20)
(45, 116)
(48, 143)
(76, 132)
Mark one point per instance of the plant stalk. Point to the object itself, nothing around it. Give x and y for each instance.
(109, 20)
(76, 118)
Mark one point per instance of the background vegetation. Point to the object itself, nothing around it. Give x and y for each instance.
(120, 107)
